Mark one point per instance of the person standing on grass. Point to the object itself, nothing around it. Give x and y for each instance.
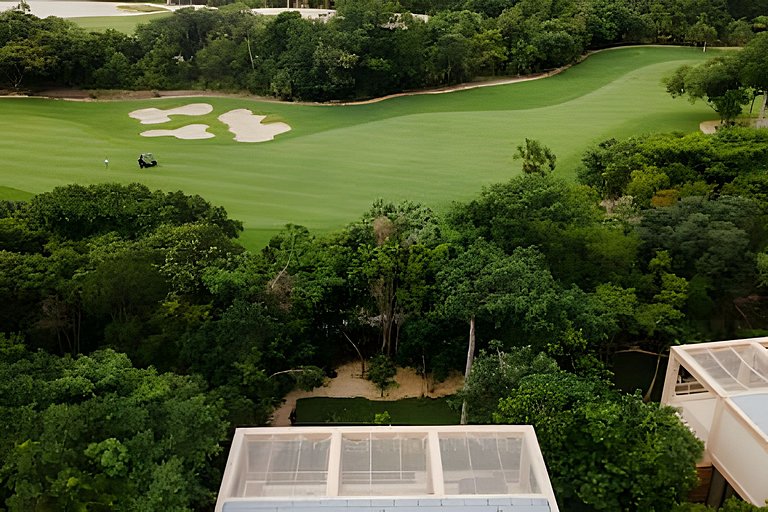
(106, 163)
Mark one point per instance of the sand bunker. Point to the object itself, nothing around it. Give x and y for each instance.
(710, 127)
(158, 115)
(192, 131)
(247, 127)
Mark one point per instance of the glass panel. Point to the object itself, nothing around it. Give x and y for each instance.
(482, 463)
(719, 374)
(384, 465)
(287, 467)
(757, 358)
(735, 368)
(756, 408)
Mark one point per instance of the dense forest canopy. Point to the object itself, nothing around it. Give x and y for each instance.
(137, 332)
(662, 242)
(370, 48)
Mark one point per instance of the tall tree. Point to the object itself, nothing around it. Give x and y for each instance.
(395, 246)
(483, 281)
(605, 451)
(536, 157)
(754, 70)
(702, 33)
(717, 81)
(495, 374)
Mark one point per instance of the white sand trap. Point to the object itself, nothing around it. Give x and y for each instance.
(159, 115)
(247, 127)
(192, 131)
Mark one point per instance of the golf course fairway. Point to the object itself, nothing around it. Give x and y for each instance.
(337, 159)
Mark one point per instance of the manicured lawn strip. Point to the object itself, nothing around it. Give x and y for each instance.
(338, 159)
(124, 24)
(409, 411)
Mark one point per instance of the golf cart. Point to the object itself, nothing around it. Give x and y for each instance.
(147, 160)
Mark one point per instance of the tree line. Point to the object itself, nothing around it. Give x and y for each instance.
(727, 83)
(370, 48)
(661, 241)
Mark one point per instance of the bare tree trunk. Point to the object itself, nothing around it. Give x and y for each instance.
(274, 281)
(383, 291)
(77, 328)
(359, 354)
(765, 101)
(250, 53)
(397, 333)
(470, 359)
(647, 397)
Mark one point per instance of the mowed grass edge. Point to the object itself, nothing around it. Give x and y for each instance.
(124, 24)
(338, 159)
(408, 411)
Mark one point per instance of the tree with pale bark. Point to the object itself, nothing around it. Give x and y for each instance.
(483, 281)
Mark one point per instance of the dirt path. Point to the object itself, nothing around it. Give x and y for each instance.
(710, 127)
(349, 383)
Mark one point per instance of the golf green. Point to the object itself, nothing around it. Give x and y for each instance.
(337, 159)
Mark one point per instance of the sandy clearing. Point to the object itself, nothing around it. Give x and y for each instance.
(248, 127)
(349, 383)
(160, 115)
(189, 132)
(709, 127)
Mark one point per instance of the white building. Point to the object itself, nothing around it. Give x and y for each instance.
(488, 468)
(721, 390)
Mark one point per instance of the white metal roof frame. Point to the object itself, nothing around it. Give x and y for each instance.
(732, 384)
(726, 406)
(237, 463)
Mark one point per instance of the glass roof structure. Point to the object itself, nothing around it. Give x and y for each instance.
(381, 469)
(721, 390)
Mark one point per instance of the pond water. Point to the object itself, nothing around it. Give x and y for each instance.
(634, 370)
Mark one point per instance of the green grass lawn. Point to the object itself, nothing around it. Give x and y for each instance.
(338, 159)
(12, 194)
(125, 24)
(409, 411)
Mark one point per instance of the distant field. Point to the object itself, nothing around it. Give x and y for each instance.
(125, 24)
(338, 159)
(409, 411)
